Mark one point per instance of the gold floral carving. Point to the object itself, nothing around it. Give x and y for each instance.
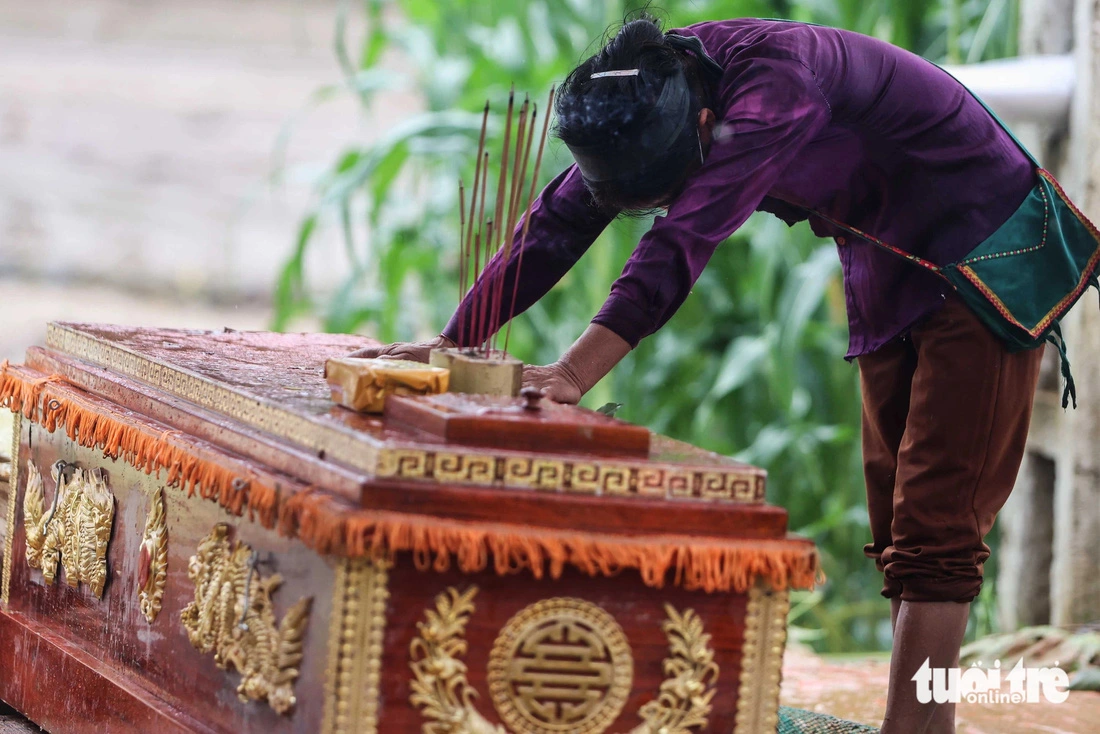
(439, 686)
(34, 511)
(560, 665)
(9, 535)
(684, 702)
(762, 660)
(354, 666)
(76, 528)
(232, 616)
(153, 558)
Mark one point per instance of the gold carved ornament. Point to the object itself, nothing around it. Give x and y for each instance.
(76, 528)
(762, 660)
(560, 665)
(233, 617)
(9, 528)
(685, 698)
(153, 558)
(439, 687)
(356, 640)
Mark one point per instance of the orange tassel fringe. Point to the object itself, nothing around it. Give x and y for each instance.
(333, 526)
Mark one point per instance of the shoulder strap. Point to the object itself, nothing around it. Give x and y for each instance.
(926, 264)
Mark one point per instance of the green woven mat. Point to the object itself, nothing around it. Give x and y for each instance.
(797, 721)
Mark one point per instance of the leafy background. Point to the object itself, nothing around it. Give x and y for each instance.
(750, 367)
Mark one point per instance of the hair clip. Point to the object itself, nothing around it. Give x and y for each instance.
(618, 72)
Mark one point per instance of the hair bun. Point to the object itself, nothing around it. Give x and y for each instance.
(633, 35)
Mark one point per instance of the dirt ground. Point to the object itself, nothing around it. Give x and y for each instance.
(855, 689)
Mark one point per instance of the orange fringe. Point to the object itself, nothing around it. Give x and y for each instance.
(333, 526)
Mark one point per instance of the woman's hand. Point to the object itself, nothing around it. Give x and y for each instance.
(414, 351)
(557, 382)
(581, 367)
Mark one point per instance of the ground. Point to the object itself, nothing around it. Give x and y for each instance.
(855, 689)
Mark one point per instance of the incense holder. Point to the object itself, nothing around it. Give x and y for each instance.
(473, 373)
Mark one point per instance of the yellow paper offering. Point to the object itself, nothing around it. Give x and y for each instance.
(363, 384)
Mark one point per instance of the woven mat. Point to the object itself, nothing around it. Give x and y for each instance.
(798, 721)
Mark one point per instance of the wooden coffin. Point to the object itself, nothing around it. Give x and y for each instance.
(199, 540)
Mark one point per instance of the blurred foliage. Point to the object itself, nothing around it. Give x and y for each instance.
(751, 365)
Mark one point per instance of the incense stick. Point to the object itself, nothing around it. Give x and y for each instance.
(461, 252)
(527, 215)
(498, 213)
(477, 253)
(509, 232)
(483, 316)
(470, 279)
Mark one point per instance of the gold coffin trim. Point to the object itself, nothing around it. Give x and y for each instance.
(651, 479)
(13, 492)
(356, 630)
(762, 660)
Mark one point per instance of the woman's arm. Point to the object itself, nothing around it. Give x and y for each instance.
(583, 365)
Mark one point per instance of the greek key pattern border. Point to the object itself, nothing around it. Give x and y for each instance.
(612, 477)
(762, 660)
(354, 669)
(554, 474)
(13, 491)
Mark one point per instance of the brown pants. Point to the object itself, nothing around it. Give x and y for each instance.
(945, 419)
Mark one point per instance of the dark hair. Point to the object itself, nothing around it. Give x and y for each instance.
(610, 114)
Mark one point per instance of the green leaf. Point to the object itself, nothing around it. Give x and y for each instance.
(290, 298)
(743, 358)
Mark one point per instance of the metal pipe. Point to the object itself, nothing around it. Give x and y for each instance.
(1035, 89)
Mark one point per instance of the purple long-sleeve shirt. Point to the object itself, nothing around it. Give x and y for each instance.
(809, 118)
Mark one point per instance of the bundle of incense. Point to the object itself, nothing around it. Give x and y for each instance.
(495, 236)
(363, 384)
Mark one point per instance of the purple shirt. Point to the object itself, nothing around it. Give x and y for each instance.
(809, 117)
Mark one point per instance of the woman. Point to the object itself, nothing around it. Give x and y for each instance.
(805, 122)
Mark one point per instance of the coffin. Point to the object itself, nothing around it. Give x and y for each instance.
(198, 539)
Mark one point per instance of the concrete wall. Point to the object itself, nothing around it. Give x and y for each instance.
(136, 139)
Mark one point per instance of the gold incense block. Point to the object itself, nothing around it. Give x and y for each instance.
(500, 374)
(363, 384)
